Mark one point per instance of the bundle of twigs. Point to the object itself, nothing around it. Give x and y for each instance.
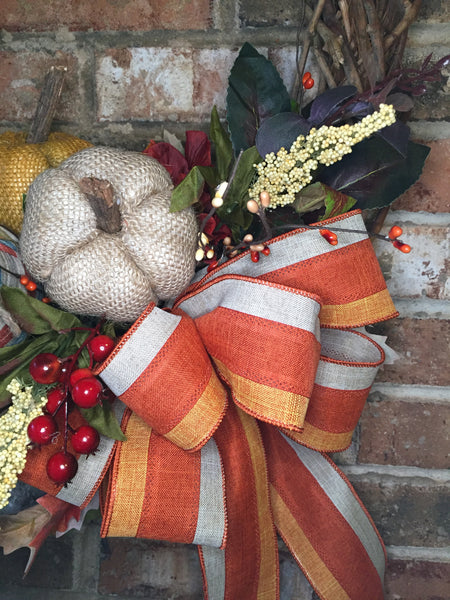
(357, 42)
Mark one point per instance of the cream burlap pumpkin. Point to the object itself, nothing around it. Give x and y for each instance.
(88, 270)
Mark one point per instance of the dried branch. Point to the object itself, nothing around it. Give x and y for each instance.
(376, 39)
(323, 66)
(47, 103)
(411, 12)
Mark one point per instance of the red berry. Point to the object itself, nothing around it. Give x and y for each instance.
(42, 430)
(101, 347)
(55, 398)
(85, 440)
(395, 232)
(45, 368)
(62, 467)
(308, 84)
(79, 374)
(85, 392)
(31, 286)
(306, 76)
(46, 300)
(266, 250)
(24, 280)
(254, 255)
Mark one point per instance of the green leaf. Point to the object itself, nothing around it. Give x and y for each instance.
(102, 417)
(223, 146)
(187, 191)
(234, 209)
(34, 316)
(16, 364)
(336, 203)
(255, 92)
(312, 197)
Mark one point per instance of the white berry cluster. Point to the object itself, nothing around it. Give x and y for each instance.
(285, 173)
(13, 436)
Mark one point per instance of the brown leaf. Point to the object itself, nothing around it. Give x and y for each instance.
(17, 531)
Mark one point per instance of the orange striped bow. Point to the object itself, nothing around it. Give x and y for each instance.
(233, 397)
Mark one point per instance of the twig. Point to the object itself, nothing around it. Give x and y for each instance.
(47, 103)
(100, 195)
(376, 38)
(411, 12)
(306, 45)
(323, 66)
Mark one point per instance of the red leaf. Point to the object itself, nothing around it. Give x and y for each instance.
(61, 512)
(170, 158)
(197, 149)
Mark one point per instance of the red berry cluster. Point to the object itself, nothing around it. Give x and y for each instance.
(73, 385)
(307, 81)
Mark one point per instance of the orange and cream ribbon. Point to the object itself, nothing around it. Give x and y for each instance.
(234, 395)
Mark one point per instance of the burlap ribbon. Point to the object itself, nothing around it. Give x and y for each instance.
(234, 395)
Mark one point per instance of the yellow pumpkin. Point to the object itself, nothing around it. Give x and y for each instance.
(20, 163)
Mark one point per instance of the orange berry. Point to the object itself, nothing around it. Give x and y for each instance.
(308, 84)
(31, 286)
(395, 232)
(24, 280)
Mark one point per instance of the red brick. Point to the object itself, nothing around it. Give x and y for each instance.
(423, 347)
(430, 193)
(23, 74)
(417, 580)
(406, 514)
(150, 569)
(82, 15)
(404, 433)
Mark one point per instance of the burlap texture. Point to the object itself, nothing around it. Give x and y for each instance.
(88, 271)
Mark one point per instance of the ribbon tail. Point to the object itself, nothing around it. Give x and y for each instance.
(248, 566)
(323, 523)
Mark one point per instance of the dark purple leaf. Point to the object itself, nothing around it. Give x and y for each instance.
(280, 131)
(400, 102)
(327, 103)
(376, 174)
(397, 136)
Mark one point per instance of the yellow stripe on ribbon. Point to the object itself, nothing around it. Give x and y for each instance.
(128, 496)
(374, 308)
(268, 573)
(318, 439)
(313, 566)
(201, 421)
(271, 405)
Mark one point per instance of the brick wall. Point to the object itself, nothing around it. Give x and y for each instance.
(137, 67)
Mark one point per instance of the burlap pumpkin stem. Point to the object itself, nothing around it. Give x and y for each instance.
(90, 267)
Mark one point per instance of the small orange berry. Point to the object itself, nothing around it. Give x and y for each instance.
(306, 76)
(395, 232)
(31, 286)
(24, 280)
(308, 84)
(46, 300)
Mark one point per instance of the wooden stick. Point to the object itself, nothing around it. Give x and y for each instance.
(410, 16)
(100, 195)
(48, 100)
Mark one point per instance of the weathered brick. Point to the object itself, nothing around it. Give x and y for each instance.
(145, 568)
(404, 433)
(434, 11)
(52, 567)
(430, 193)
(422, 272)
(261, 13)
(406, 514)
(145, 84)
(422, 345)
(211, 71)
(23, 75)
(417, 580)
(82, 15)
